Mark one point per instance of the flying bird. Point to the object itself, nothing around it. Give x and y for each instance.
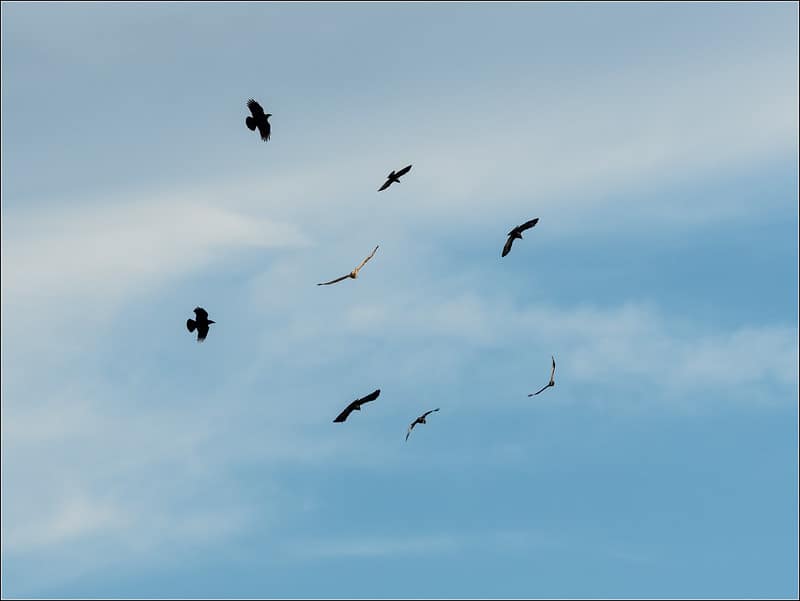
(419, 420)
(258, 120)
(200, 323)
(517, 233)
(394, 178)
(552, 382)
(353, 274)
(356, 405)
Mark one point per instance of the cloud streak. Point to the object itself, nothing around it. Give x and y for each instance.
(110, 250)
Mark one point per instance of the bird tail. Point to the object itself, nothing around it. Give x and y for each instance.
(191, 324)
(251, 123)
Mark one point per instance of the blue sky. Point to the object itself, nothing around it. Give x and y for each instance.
(658, 145)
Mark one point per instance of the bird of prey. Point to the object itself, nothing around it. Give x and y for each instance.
(200, 323)
(552, 382)
(258, 120)
(419, 420)
(353, 274)
(356, 405)
(517, 233)
(394, 178)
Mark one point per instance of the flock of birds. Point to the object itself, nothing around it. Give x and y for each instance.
(260, 120)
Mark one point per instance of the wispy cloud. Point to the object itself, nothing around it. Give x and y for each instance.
(68, 519)
(472, 540)
(375, 546)
(632, 342)
(108, 250)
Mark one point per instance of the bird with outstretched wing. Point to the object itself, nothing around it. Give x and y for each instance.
(353, 274)
(201, 322)
(552, 381)
(394, 178)
(259, 119)
(419, 420)
(517, 233)
(356, 405)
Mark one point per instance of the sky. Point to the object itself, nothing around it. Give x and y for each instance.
(656, 143)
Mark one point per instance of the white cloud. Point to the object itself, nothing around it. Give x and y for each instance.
(113, 249)
(630, 343)
(581, 152)
(474, 540)
(571, 156)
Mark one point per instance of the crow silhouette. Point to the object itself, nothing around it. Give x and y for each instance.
(356, 405)
(200, 323)
(517, 233)
(258, 120)
(394, 178)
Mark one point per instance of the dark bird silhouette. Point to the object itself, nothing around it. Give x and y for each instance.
(356, 405)
(419, 420)
(200, 323)
(353, 274)
(517, 233)
(394, 178)
(258, 120)
(552, 382)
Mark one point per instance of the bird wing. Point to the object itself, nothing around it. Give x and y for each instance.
(403, 171)
(202, 331)
(507, 247)
(200, 313)
(411, 427)
(344, 277)
(364, 262)
(553, 371)
(264, 128)
(527, 225)
(540, 390)
(255, 108)
(370, 397)
(385, 185)
(427, 413)
(347, 411)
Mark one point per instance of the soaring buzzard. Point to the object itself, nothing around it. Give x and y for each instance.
(353, 274)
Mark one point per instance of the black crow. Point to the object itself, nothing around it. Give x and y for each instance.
(200, 322)
(517, 233)
(394, 178)
(356, 405)
(258, 120)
